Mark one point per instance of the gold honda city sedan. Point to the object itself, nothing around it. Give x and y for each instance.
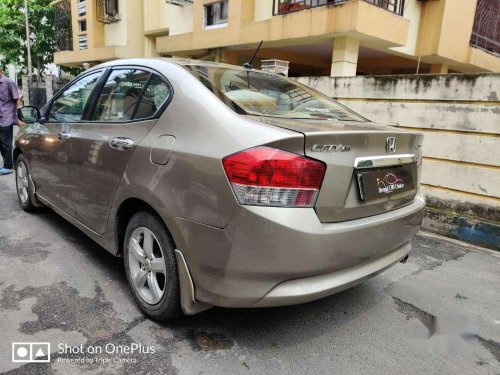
(221, 185)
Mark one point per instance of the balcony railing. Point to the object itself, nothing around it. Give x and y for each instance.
(485, 33)
(290, 6)
(83, 41)
(82, 8)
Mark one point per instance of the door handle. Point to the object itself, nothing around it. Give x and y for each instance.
(121, 143)
(63, 136)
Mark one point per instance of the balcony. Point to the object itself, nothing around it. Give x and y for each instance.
(281, 7)
(485, 33)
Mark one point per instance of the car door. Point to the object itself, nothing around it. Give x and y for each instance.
(123, 113)
(50, 149)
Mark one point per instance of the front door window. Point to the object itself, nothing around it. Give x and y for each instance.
(69, 106)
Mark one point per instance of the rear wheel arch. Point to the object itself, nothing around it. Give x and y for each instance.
(128, 208)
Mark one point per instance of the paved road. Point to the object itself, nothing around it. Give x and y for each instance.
(57, 286)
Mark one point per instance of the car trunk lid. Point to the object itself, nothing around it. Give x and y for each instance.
(365, 176)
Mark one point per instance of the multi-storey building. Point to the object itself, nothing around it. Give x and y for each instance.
(317, 37)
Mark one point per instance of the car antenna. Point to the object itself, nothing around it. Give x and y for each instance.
(248, 65)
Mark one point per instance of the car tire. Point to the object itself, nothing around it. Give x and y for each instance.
(151, 267)
(25, 193)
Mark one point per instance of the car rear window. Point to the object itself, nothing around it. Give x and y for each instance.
(264, 94)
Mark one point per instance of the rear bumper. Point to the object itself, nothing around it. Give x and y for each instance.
(279, 256)
(315, 287)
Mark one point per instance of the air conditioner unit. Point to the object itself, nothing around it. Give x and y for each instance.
(180, 3)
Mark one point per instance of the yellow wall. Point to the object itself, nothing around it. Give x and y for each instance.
(158, 15)
(122, 39)
(431, 20)
(263, 10)
(456, 29)
(357, 18)
(412, 13)
(115, 33)
(438, 31)
(445, 34)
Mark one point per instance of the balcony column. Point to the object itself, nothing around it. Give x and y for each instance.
(439, 68)
(344, 57)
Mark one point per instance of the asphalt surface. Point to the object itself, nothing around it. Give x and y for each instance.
(437, 314)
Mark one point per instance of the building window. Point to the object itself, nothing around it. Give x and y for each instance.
(111, 8)
(82, 26)
(216, 14)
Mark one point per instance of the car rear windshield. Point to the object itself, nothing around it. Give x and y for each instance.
(263, 94)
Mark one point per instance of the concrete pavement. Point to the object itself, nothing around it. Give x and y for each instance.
(437, 314)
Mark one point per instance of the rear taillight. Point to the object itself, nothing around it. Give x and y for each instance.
(266, 176)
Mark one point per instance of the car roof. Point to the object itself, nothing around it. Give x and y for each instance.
(178, 61)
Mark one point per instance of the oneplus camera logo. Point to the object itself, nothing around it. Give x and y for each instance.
(31, 352)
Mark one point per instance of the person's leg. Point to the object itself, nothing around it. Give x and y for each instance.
(2, 148)
(6, 133)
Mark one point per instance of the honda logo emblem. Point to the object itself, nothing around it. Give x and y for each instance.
(390, 145)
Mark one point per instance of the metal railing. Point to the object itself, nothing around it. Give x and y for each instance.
(289, 6)
(485, 32)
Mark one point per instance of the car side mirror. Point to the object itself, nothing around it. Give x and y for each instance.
(29, 114)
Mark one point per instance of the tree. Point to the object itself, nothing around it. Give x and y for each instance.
(13, 33)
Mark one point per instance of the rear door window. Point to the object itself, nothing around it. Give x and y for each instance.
(155, 95)
(120, 95)
(130, 94)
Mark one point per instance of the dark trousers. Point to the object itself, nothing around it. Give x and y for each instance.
(6, 145)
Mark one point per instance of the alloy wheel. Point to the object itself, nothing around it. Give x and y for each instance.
(22, 182)
(147, 265)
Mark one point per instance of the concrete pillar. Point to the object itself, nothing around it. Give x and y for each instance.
(26, 80)
(150, 47)
(344, 57)
(49, 86)
(439, 69)
(217, 54)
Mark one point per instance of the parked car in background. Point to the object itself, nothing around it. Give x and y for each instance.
(221, 185)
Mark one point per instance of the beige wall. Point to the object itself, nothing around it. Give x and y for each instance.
(458, 115)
